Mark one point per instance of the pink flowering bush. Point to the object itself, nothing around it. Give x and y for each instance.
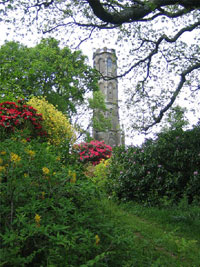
(18, 117)
(93, 152)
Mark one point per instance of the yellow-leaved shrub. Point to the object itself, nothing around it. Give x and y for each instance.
(98, 174)
(55, 123)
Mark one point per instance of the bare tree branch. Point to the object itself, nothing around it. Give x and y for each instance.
(86, 38)
(125, 15)
(174, 96)
(57, 26)
(155, 50)
(168, 14)
(103, 26)
(138, 10)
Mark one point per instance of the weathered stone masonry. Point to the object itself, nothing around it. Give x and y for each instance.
(105, 61)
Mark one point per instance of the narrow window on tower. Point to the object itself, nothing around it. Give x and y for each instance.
(110, 92)
(101, 65)
(109, 65)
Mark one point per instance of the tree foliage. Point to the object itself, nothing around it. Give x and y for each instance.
(158, 63)
(99, 120)
(59, 74)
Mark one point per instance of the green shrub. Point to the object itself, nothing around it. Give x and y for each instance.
(51, 214)
(101, 171)
(166, 167)
(42, 202)
(98, 173)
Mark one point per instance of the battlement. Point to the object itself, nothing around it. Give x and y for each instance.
(100, 51)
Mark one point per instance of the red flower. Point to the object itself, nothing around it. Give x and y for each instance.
(16, 122)
(94, 151)
(13, 116)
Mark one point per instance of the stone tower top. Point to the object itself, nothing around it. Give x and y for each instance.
(103, 50)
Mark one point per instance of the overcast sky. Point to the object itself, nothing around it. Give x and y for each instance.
(88, 48)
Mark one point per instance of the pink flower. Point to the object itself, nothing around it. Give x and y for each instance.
(13, 116)
(94, 151)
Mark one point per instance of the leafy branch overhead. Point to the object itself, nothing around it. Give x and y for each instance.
(157, 43)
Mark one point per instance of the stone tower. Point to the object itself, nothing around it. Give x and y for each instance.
(105, 61)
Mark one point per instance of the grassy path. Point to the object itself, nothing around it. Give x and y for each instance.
(157, 242)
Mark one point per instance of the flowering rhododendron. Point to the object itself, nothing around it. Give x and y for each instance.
(94, 151)
(18, 116)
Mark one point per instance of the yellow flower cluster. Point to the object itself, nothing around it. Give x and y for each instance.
(73, 177)
(37, 220)
(105, 162)
(45, 170)
(31, 153)
(14, 157)
(2, 168)
(55, 122)
(43, 195)
(97, 240)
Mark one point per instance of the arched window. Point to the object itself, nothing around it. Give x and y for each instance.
(101, 65)
(109, 64)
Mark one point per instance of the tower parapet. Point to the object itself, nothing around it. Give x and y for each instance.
(105, 61)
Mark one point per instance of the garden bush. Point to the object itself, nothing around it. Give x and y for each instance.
(167, 167)
(21, 118)
(55, 122)
(98, 173)
(101, 172)
(93, 152)
(38, 202)
(51, 214)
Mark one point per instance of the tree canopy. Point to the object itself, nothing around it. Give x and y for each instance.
(59, 74)
(159, 41)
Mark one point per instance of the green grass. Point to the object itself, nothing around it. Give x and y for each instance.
(155, 236)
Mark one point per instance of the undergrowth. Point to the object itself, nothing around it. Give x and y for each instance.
(54, 209)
